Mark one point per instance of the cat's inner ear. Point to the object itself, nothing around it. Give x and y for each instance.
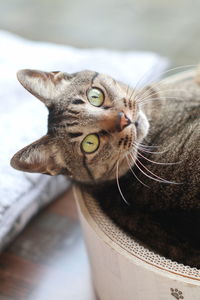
(41, 156)
(46, 86)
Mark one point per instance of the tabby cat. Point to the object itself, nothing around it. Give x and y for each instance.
(136, 150)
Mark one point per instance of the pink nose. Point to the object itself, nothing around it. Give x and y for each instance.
(122, 121)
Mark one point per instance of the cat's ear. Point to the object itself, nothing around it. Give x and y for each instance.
(41, 156)
(46, 86)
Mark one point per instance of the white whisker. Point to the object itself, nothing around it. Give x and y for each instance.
(118, 185)
(156, 178)
(135, 174)
(157, 163)
(147, 100)
(146, 146)
(151, 94)
(166, 72)
(151, 152)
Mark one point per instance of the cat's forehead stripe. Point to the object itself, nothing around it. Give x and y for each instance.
(78, 101)
(75, 134)
(94, 77)
(72, 124)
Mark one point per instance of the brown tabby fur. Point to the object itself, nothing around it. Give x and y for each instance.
(163, 214)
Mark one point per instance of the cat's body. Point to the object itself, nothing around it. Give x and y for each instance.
(100, 141)
(164, 216)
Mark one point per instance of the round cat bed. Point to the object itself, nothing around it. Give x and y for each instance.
(122, 269)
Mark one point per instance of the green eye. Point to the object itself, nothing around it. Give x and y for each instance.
(95, 96)
(90, 143)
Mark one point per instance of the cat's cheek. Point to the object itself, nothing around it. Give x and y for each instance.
(143, 127)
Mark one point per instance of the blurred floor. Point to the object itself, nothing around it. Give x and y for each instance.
(169, 28)
(48, 261)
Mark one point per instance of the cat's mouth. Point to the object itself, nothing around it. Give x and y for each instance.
(136, 123)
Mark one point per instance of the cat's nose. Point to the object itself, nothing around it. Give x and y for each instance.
(122, 121)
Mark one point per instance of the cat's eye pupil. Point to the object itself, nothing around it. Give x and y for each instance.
(95, 96)
(90, 143)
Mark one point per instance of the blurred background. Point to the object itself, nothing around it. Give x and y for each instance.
(170, 28)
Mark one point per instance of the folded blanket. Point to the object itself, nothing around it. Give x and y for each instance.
(23, 118)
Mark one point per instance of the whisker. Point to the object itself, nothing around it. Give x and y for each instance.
(112, 168)
(147, 90)
(156, 178)
(134, 173)
(169, 70)
(147, 174)
(162, 98)
(146, 146)
(132, 95)
(157, 163)
(147, 100)
(152, 152)
(118, 185)
(146, 149)
(145, 75)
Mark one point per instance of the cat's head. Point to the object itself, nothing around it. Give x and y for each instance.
(94, 123)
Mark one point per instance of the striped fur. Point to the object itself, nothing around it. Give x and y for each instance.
(72, 118)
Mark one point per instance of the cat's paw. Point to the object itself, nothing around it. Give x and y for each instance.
(176, 294)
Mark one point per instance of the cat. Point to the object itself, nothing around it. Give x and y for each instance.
(137, 151)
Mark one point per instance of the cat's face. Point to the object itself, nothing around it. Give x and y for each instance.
(93, 123)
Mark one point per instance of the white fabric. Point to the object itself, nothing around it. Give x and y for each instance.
(23, 118)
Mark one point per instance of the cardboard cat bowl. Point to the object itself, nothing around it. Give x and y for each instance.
(124, 270)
